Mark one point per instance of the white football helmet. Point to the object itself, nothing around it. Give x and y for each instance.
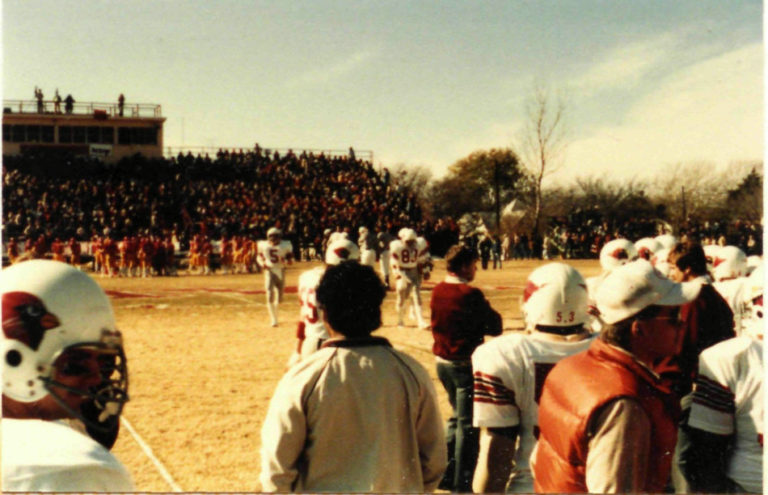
(710, 251)
(54, 317)
(729, 262)
(753, 299)
(753, 262)
(646, 247)
(667, 241)
(341, 250)
(555, 295)
(616, 253)
(336, 236)
(405, 234)
(660, 261)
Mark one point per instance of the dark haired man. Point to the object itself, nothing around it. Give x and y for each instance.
(357, 415)
(607, 422)
(707, 320)
(461, 317)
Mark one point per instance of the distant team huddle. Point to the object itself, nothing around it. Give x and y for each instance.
(646, 378)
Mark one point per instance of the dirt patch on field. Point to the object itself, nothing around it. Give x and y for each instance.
(204, 362)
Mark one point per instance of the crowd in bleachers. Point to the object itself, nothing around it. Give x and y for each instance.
(235, 193)
(54, 201)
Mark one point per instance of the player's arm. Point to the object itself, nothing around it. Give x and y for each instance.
(495, 459)
(710, 427)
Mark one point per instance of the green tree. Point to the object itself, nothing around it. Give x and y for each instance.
(745, 202)
(484, 181)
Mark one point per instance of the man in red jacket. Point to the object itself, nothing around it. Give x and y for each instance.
(607, 422)
(461, 317)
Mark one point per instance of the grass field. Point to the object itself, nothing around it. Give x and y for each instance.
(203, 363)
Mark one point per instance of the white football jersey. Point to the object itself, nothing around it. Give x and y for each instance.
(309, 313)
(733, 291)
(728, 400)
(404, 256)
(509, 373)
(423, 246)
(274, 257)
(49, 456)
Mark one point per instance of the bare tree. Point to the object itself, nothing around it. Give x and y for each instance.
(543, 141)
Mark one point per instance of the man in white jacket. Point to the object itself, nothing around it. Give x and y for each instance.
(357, 415)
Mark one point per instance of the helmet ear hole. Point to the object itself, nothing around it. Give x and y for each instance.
(13, 358)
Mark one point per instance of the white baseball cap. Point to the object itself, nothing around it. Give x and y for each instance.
(631, 288)
(274, 231)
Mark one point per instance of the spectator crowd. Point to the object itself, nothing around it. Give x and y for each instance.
(235, 193)
(52, 200)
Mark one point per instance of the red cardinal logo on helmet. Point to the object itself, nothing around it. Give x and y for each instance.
(716, 261)
(26, 319)
(620, 254)
(342, 253)
(530, 288)
(644, 253)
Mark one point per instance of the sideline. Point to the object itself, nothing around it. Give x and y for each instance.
(148, 451)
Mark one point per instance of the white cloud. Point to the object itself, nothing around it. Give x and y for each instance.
(625, 66)
(341, 68)
(711, 111)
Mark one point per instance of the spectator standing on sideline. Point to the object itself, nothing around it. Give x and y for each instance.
(357, 415)
(496, 252)
(485, 246)
(461, 317)
(120, 104)
(607, 422)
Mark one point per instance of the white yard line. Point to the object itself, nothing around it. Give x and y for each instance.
(148, 451)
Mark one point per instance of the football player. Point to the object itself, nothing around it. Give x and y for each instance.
(667, 241)
(383, 241)
(63, 359)
(509, 373)
(406, 262)
(729, 271)
(613, 254)
(273, 255)
(311, 331)
(367, 242)
(647, 247)
(726, 420)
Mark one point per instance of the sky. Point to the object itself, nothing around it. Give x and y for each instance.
(646, 84)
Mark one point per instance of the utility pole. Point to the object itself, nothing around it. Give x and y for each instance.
(682, 196)
(496, 187)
